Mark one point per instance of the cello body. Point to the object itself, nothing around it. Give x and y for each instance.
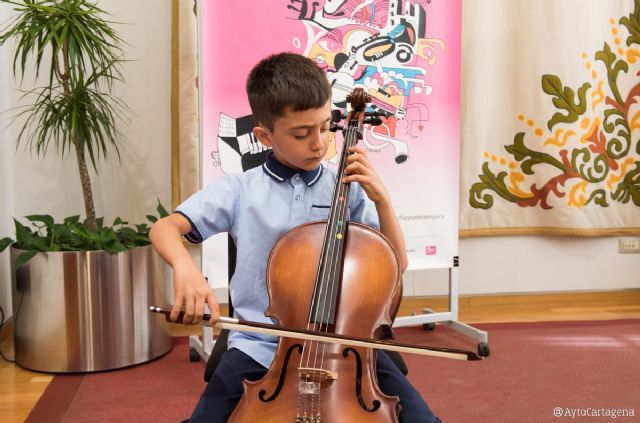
(311, 381)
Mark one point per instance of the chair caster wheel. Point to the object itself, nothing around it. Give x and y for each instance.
(193, 355)
(428, 326)
(483, 349)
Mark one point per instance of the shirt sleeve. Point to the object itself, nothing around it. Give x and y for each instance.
(362, 209)
(211, 210)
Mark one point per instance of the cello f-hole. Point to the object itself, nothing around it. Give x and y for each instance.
(356, 355)
(283, 373)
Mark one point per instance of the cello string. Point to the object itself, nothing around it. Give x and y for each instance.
(332, 246)
(326, 268)
(338, 227)
(333, 240)
(319, 294)
(330, 249)
(320, 290)
(327, 262)
(319, 297)
(330, 268)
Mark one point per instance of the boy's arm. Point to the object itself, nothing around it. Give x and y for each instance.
(359, 169)
(191, 289)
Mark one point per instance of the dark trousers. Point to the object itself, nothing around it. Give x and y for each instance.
(224, 390)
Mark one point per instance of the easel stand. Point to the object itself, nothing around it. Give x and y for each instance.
(450, 318)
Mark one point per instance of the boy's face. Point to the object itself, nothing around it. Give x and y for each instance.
(299, 139)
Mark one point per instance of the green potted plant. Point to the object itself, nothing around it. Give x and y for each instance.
(81, 290)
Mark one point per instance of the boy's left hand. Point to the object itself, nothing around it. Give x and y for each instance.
(359, 169)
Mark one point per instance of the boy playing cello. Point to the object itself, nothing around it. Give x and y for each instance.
(290, 101)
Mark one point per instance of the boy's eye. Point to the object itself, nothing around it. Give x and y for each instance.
(299, 137)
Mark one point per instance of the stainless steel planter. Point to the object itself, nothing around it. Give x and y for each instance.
(88, 311)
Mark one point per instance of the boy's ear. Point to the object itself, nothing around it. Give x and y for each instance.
(263, 135)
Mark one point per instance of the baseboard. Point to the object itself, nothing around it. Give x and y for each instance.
(554, 298)
(542, 306)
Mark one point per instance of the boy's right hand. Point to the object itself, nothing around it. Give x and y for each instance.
(192, 291)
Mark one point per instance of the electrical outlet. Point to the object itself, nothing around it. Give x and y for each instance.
(629, 246)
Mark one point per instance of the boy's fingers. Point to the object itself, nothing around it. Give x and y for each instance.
(177, 307)
(189, 309)
(357, 168)
(357, 150)
(199, 310)
(214, 308)
(354, 178)
(358, 158)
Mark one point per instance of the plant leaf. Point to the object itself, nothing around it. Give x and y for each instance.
(23, 235)
(4, 243)
(25, 257)
(162, 212)
(44, 218)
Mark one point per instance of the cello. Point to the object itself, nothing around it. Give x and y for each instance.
(330, 276)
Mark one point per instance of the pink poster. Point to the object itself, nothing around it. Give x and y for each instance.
(404, 53)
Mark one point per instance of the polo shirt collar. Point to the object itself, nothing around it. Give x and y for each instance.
(281, 173)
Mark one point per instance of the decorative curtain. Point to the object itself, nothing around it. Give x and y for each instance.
(550, 109)
(551, 120)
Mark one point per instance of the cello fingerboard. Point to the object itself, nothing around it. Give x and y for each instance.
(330, 267)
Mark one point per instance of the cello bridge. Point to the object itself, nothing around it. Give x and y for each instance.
(316, 374)
(310, 379)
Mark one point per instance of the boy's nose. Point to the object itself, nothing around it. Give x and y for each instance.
(317, 142)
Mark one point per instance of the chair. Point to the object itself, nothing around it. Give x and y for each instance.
(220, 345)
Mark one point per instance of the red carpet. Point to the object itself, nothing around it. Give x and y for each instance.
(164, 390)
(533, 368)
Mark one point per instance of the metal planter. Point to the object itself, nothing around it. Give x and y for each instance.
(89, 311)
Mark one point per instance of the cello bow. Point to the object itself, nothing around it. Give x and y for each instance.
(283, 331)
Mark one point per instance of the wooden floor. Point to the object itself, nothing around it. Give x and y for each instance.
(20, 389)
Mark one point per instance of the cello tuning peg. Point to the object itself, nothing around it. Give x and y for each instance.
(373, 121)
(334, 127)
(337, 116)
(378, 113)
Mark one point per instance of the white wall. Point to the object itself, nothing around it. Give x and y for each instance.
(6, 171)
(128, 188)
(519, 264)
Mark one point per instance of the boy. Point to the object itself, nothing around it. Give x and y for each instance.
(290, 99)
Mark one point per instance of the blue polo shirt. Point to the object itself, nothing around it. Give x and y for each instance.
(256, 208)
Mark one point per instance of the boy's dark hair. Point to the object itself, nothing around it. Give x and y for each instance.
(285, 81)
